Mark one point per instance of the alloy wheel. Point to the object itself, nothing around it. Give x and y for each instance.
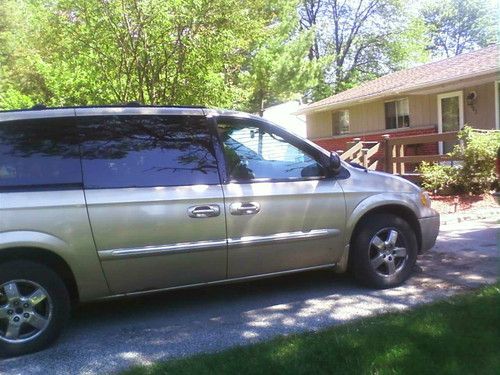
(25, 311)
(388, 252)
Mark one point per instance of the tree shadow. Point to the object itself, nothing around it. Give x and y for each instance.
(115, 334)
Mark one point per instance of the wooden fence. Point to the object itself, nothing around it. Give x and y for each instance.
(362, 153)
(367, 153)
(394, 150)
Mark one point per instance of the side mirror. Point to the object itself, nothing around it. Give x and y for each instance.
(334, 162)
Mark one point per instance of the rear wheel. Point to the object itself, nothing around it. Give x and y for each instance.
(384, 251)
(34, 307)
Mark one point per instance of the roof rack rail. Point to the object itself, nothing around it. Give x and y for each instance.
(38, 106)
(134, 103)
(129, 104)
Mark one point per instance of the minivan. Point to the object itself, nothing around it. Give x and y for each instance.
(100, 202)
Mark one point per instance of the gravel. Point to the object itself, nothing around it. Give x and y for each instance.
(109, 336)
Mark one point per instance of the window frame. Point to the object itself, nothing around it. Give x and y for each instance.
(452, 94)
(337, 113)
(292, 139)
(397, 116)
(209, 130)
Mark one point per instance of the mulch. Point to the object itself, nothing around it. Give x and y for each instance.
(463, 203)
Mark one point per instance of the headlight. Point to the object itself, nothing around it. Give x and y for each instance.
(425, 199)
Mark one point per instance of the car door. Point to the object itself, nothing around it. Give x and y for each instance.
(283, 212)
(154, 198)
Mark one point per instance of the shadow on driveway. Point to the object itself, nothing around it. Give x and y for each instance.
(116, 334)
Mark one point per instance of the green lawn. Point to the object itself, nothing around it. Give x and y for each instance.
(457, 336)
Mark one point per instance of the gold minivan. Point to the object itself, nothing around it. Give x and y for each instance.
(99, 202)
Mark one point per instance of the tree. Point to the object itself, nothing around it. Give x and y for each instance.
(362, 38)
(278, 68)
(455, 26)
(208, 52)
(154, 51)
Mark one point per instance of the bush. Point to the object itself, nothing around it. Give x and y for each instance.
(475, 174)
(439, 178)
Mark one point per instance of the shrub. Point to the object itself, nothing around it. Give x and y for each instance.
(439, 178)
(475, 174)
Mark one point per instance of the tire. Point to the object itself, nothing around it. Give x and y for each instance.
(48, 308)
(381, 259)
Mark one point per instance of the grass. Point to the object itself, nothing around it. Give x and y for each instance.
(460, 335)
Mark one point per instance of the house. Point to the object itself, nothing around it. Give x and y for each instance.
(436, 97)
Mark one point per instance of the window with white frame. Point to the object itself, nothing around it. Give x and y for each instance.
(340, 122)
(397, 114)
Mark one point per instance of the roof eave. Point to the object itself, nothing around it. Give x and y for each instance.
(386, 93)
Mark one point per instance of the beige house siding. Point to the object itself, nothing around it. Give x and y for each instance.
(319, 125)
(370, 117)
(423, 110)
(484, 117)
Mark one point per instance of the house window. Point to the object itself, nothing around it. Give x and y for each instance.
(397, 114)
(340, 122)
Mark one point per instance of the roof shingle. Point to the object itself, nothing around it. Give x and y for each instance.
(483, 61)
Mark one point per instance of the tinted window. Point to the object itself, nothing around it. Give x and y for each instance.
(39, 152)
(147, 151)
(253, 153)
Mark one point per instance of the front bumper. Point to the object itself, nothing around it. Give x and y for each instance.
(429, 227)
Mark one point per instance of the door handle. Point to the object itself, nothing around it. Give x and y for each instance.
(246, 208)
(200, 212)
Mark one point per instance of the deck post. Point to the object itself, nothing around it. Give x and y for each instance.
(402, 164)
(364, 158)
(387, 153)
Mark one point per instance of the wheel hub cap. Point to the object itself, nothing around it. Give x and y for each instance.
(387, 251)
(25, 311)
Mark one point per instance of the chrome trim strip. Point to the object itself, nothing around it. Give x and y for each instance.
(159, 111)
(222, 282)
(191, 247)
(282, 237)
(184, 247)
(37, 114)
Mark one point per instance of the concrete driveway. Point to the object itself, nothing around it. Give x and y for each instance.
(105, 337)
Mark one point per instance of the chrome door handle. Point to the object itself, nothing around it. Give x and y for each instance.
(246, 208)
(200, 212)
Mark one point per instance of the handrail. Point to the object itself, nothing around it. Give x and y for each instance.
(395, 157)
(372, 150)
(358, 153)
(349, 154)
(363, 152)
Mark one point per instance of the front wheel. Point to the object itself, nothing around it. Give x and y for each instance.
(34, 307)
(384, 251)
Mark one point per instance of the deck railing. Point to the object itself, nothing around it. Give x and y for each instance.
(361, 153)
(394, 150)
(394, 158)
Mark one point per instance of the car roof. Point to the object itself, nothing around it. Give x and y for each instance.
(41, 111)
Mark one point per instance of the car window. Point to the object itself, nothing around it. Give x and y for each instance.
(39, 152)
(147, 151)
(252, 153)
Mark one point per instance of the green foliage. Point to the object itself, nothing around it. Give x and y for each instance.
(278, 69)
(479, 151)
(457, 26)
(244, 54)
(475, 174)
(212, 52)
(439, 178)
